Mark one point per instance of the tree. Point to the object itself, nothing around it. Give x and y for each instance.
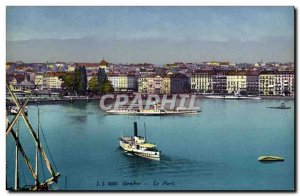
(101, 75)
(105, 85)
(68, 82)
(80, 81)
(93, 85)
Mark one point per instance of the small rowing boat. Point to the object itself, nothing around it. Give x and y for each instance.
(270, 158)
(282, 107)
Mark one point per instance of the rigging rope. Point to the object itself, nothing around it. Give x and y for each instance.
(48, 149)
(12, 152)
(21, 162)
(24, 177)
(41, 161)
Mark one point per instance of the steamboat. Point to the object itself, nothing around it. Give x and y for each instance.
(138, 146)
(153, 110)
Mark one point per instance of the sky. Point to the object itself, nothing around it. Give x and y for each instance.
(150, 34)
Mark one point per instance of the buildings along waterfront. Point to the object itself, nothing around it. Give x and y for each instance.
(204, 78)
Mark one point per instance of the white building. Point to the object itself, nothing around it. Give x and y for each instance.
(284, 83)
(39, 78)
(201, 81)
(267, 83)
(119, 82)
(236, 82)
(52, 80)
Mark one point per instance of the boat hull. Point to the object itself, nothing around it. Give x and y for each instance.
(125, 146)
(182, 112)
(153, 155)
(231, 97)
(117, 112)
(280, 108)
(167, 112)
(270, 158)
(148, 155)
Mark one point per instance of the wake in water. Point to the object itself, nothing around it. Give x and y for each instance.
(134, 166)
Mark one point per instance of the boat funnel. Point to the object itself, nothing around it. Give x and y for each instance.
(135, 129)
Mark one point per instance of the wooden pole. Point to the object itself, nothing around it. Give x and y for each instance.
(17, 161)
(49, 167)
(21, 150)
(37, 151)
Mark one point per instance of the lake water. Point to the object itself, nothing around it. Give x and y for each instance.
(214, 150)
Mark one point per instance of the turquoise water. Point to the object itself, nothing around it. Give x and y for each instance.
(215, 150)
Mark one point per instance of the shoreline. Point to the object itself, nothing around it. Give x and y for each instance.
(278, 97)
(87, 99)
(262, 97)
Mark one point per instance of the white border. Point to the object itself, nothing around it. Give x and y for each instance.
(152, 2)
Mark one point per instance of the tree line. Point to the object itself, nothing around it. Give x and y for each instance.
(75, 83)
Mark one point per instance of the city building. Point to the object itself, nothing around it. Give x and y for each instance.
(252, 83)
(180, 83)
(13, 81)
(201, 82)
(267, 83)
(60, 66)
(71, 68)
(132, 80)
(50, 66)
(119, 81)
(39, 80)
(270, 78)
(89, 66)
(219, 83)
(103, 65)
(284, 83)
(154, 84)
(166, 84)
(51, 80)
(32, 77)
(150, 84)
(24, 85)
(142, 84)
(236, 82)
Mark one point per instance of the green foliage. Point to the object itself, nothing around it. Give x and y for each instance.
(76, 82)
(80, 82)
(106, 87)
(93, 85)
(104, 84)
(68, 81)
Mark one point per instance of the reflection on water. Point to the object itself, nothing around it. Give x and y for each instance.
(79, 119)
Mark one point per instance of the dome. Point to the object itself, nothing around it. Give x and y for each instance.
(103, 62)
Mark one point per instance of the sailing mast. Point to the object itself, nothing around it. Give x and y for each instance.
(9, 130)
(37, 151)
(17, 181)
